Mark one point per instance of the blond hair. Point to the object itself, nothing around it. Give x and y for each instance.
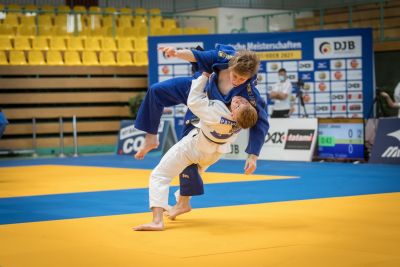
(245, 63)
(247, 117)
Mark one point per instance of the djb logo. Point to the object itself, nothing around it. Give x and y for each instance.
(325, 48)
(344, 45)
(337, 47)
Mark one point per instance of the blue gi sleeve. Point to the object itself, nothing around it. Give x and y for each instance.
(206, 59)
(260, 130)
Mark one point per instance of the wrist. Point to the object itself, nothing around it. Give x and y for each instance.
(252, 156)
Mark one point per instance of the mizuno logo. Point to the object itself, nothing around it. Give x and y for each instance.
(395, 134)
(391, 152)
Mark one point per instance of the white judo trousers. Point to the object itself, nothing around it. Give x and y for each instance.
(184, 153)
(204, 145)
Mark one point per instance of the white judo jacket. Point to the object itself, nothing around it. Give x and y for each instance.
(217, 129)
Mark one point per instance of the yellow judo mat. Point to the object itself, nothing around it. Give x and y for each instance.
(288, 214)
(346, 231)
(53, 179)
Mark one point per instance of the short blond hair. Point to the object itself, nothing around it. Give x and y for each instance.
(247, 117)
(245, 63)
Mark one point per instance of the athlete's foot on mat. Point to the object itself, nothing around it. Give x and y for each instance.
(150, 142)
(150, 227)
(166, 210)
(177, 210)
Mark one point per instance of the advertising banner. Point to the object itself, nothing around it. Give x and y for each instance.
(290, 139)
(238, 147)
(130, 139)
(386, 148)
(336, 66)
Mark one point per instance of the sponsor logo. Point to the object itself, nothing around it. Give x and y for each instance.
(338, 75)
(338, 64)
(306, 98)
(133, 144)
(355, 107)
(392, 151)
(165, 70)
(306, 65)
(322, 75)
(322, 87)
(338, 97)
(354, 96)
(306, 87)
(395, 134)
(354, 63)
(275, 138)
(338, 107)
(337, 47)
(322, 65)
(274, 66)
(291, 76)
(306, 76)
(322, 108)
(325, 48)
(299, 139)
(353, 85)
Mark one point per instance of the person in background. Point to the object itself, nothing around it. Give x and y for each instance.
(3, 123)
(281, 93)
(396, 103)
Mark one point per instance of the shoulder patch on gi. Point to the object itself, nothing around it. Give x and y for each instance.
(252, 98)
(224, 55)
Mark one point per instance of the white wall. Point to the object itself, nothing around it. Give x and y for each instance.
(201, 22)
(231, 18)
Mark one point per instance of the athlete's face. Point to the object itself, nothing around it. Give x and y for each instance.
(237, 79)
(237, 104)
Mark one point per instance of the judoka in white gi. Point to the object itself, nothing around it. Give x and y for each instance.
(215, 131)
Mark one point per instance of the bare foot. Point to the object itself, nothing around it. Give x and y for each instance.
(166, 210)
(150, 142)
(150, 227)
(177, 210)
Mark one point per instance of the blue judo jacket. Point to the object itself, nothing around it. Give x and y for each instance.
(217, 60)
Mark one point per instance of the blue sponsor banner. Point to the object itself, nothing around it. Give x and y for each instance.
(130, 139)
(327, 61)
(386, 148)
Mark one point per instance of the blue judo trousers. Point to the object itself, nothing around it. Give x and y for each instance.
(176, 90)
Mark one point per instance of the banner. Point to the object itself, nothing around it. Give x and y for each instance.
(290, 139)
(131, 139)
(238, 148)
(386, 148)
(336, 66)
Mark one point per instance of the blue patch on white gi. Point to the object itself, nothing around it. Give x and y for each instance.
(227, 121)
(221, 136)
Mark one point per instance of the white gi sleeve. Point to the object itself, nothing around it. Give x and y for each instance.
(199, 103)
